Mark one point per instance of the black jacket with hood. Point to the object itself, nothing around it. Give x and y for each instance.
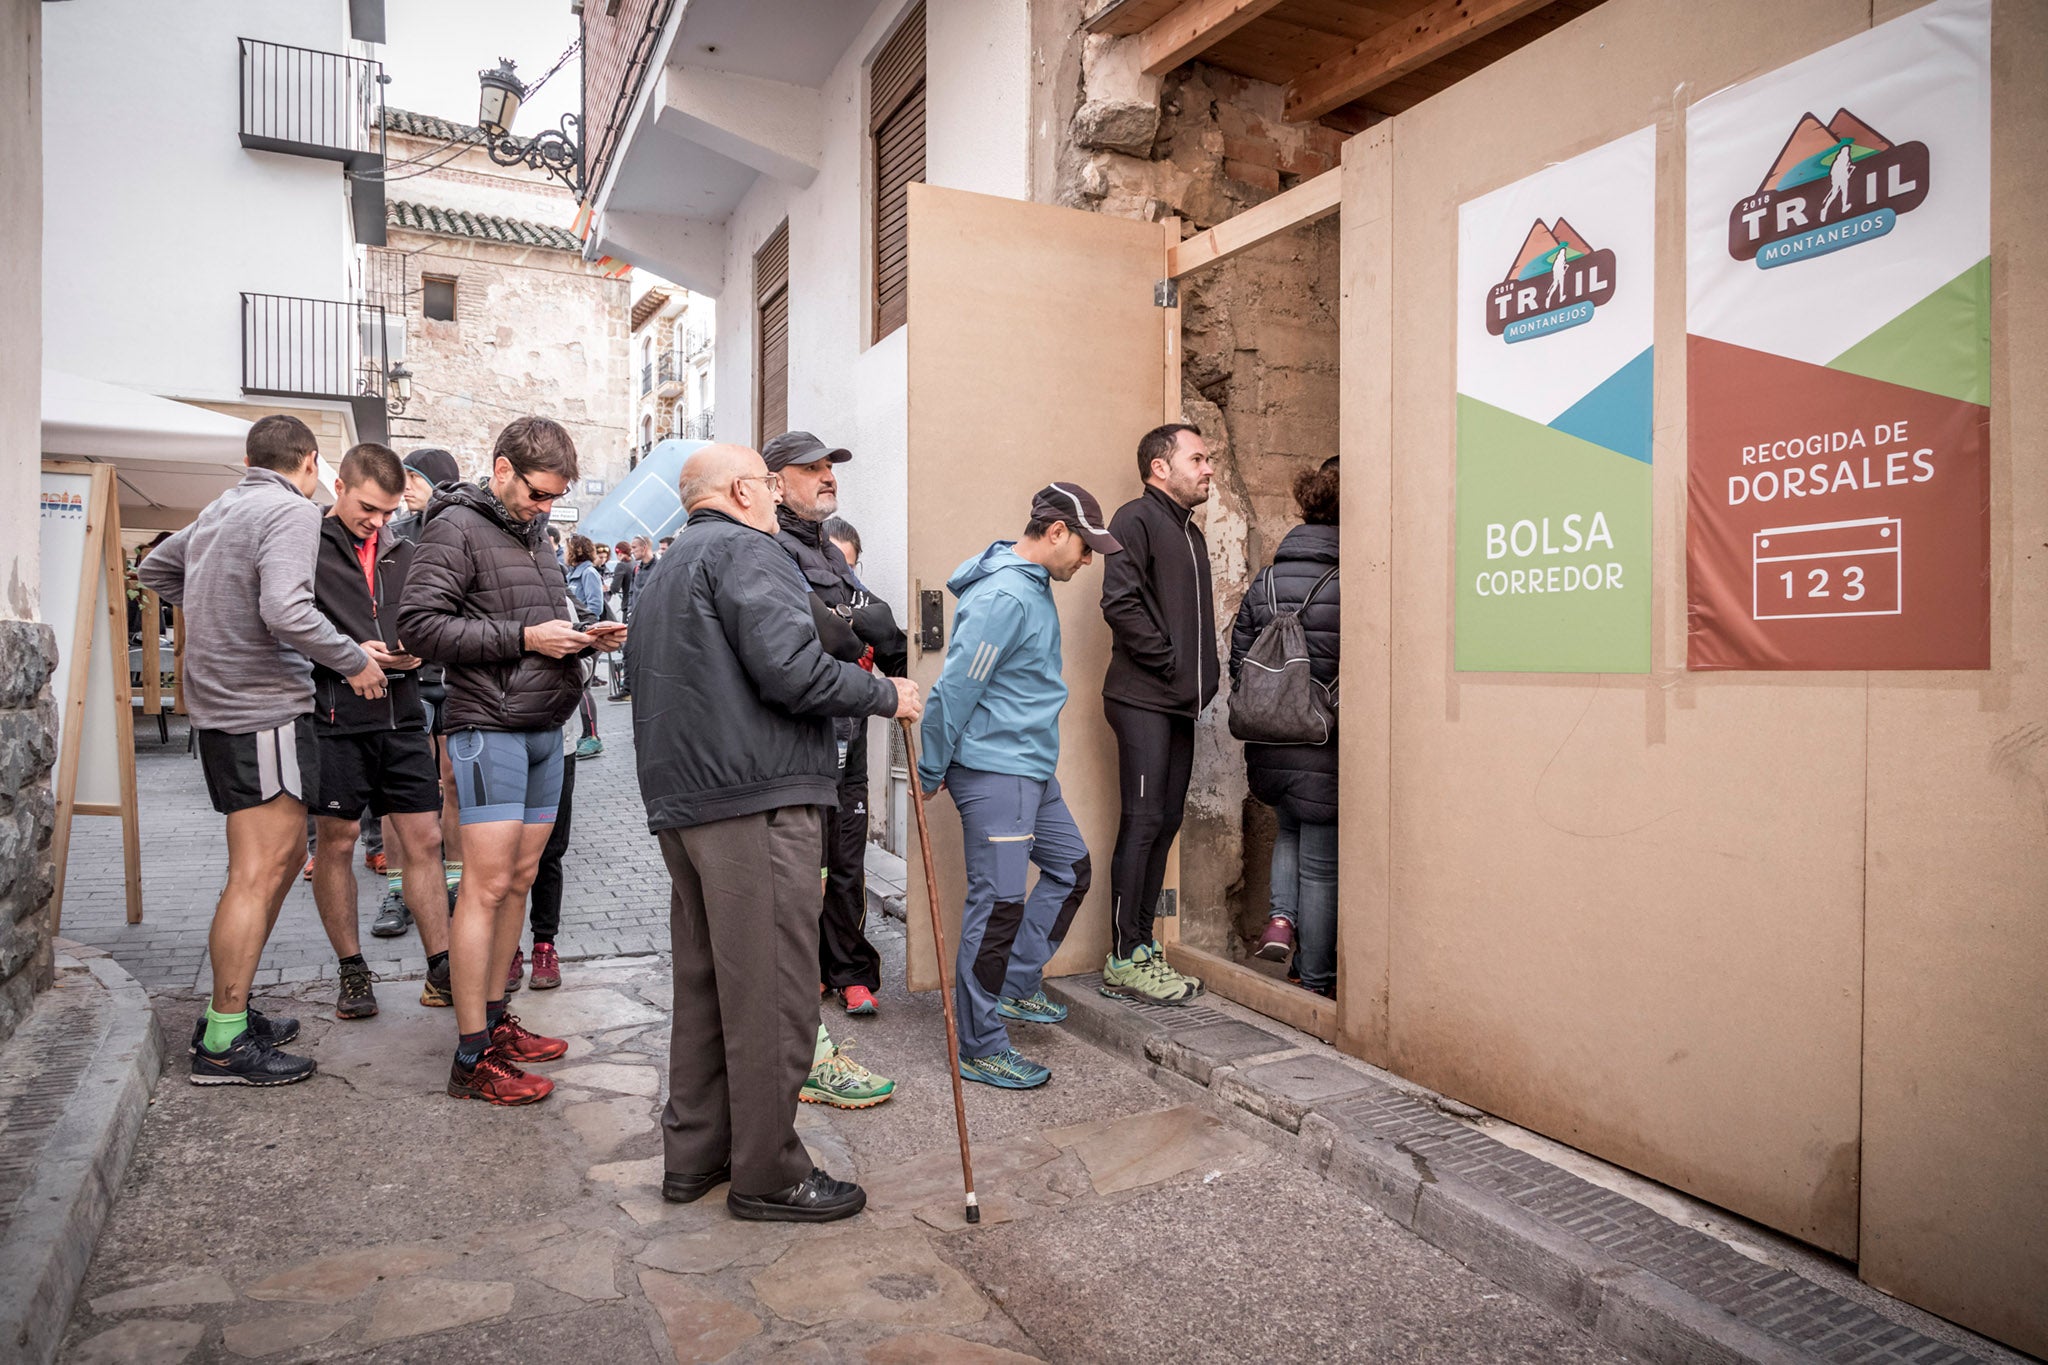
(1300, 779)
(477, 580)
(342, 593)
(733, 696)
(1157, 599)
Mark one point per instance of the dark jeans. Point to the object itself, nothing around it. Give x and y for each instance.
(743, 928)
(547, 880)
(845, 957)
(1155, 755)
(1304, 893)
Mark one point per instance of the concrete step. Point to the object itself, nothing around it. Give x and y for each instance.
(1655, 1286)
(74, 1087)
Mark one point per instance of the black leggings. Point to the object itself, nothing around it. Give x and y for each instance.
(547, 879)
(1155, 754)
(845, 957)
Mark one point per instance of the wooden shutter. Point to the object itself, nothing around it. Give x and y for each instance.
(896, 123)
(771, 333)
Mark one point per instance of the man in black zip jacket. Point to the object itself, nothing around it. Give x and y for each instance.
(374, 755)
(732, 705)
(857, 626)
(1163, 670)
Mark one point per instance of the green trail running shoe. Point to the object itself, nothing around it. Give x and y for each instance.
(1032, 1009)
(1167, 968)
(843, 1083)
(1145, 976)
(1008, 1070)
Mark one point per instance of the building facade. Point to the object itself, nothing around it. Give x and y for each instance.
(674, 335)
(227, 275)
(502, 316)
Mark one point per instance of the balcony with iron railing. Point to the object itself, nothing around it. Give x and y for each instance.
(696, 341)
(695, 427)
(319, 348)
(668, 374)
(327, 105)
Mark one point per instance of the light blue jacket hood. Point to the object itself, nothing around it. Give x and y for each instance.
(996, 706)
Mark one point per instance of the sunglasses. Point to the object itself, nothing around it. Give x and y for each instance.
(535, 493)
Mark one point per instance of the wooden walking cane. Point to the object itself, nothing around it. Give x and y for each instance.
(931, 897)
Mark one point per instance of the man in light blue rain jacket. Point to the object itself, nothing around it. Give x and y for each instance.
(992, 739)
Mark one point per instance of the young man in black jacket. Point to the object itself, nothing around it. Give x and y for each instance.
(855, 625)
(1163, 670)
(374, 755)
(486, 597)
(733, 700)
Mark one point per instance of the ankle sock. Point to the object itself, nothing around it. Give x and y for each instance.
(395, 882)
(436, 961)
(222, 1029)
(469, 1048)
(494, 1010)
(352, 960)
(539, 939)
(824, 1047)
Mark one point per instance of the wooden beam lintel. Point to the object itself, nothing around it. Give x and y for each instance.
(1305, 203)
(1193, 28)
(1407, 45)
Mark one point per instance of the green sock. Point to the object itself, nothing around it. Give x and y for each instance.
(824, 1048)
(222, 1029)
(395, 882)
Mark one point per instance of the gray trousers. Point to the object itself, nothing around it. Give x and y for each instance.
(743, 924)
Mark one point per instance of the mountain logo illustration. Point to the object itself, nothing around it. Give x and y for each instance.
(1833, 185)
(1557, 281)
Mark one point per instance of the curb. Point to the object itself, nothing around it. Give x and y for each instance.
(1647, 1285)
(75, 1172)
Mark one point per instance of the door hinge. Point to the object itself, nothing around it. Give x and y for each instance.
(1166, 294)
(1169, 904)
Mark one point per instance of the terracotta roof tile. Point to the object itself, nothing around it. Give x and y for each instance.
(486, 227)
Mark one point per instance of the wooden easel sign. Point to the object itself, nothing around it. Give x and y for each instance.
(84, 600)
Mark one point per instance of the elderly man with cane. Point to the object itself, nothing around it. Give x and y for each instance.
(733, 700)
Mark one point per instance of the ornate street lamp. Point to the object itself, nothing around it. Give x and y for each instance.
(557, 151)
(398, 389)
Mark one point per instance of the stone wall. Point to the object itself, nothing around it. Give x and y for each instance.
(28, 749)
(536, 330)
(1260, 371)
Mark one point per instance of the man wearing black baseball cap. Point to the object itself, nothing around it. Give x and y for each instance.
(1001, 768)
(856, 626)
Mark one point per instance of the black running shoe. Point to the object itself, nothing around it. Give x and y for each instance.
(272, 1032)
(249, 1061)
(357, 999)
(393, 918)
(817, 1198)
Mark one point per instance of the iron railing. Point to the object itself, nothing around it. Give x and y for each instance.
(668, 369)
(319, 348)
(696, 341)
(696, 427)
(328, 105)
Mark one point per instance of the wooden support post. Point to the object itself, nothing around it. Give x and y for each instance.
(1192, 29)
(1305, 203)
(1401, 47)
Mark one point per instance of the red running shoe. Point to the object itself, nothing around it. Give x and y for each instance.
(377, 863)
(1277, 943)
(308, 874)
(494, 1080)
(515, 978)
(859, 1000)
(547, 968)
(518, 1044)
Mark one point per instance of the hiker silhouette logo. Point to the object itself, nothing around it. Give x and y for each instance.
(1557, 281)
(1833, 185)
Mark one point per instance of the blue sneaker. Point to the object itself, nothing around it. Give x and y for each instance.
(1032, 1009)
(1007, 1070)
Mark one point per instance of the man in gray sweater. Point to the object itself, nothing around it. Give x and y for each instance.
(243, 572)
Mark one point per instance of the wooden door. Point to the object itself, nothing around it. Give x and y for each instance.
(1036, 353)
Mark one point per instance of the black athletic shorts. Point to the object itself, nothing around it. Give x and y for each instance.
(391, 772)
(245, 771)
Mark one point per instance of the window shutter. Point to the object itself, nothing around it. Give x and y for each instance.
(896, 123)
(771, 332)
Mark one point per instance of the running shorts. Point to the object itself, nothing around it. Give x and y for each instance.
(507, 775)
(249, 770)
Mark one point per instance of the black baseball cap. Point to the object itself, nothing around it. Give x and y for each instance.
(434, 465)
(1077, 507)
(800, 447)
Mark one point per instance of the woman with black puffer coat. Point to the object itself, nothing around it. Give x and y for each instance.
(1299, 781)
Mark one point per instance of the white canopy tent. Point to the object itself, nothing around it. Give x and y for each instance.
(171, 458)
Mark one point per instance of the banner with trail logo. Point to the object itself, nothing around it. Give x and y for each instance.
(1838, 355)
(1554, 416)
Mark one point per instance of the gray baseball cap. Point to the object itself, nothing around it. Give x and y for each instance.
(800, 447)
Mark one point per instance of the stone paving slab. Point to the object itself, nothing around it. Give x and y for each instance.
(75, 1079)
(1647, 1283)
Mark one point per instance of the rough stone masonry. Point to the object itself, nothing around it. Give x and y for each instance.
(28, 751)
